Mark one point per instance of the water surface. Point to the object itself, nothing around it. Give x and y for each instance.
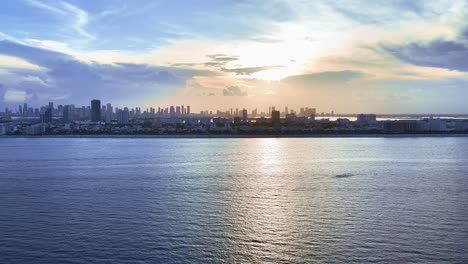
(329, 200)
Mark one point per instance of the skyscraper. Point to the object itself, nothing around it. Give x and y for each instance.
(275, 117)
(244, 115)
(178, 110)
(46, 117)
(123, 116)
(172, 110)
(95, 110)
(66, 117)
(108, 113)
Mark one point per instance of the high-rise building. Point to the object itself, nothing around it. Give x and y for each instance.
(178, 110)
(46, 117)
(275, 117)
(172, 110)
(188, 109)
(66, 114)
(244, 115)
(123, 116)
(95, 110)
(108, 113)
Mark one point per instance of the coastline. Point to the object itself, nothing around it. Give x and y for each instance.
(244, 136)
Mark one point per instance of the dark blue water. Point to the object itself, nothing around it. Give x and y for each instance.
(394, 200)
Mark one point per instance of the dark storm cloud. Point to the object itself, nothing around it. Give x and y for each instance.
(65, 76)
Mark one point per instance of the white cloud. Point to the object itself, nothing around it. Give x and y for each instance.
(77, 17)
(46, 7)
(13, 62)
(15, 96)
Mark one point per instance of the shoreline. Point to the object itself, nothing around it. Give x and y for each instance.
(244, 136)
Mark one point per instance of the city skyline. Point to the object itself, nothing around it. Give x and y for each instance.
(346, 56)
(27, 110)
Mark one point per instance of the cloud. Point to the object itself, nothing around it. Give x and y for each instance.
(14, 96)
(222, 57)
(251, 70)
(2, 91)
(450, 55)
(234, 91)
(323, 78)
(36, 56)
(63, 76)
(81, 19)
(464, 34)
(46, 7)
(78, 17)
(378, 12)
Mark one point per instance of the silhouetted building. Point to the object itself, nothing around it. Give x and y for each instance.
(46, 117)
(244, 115)
(95, 110)
(366, 118)
(275, 117)
(402, 126)
(123, 116)
(109, 113)
(66, 114)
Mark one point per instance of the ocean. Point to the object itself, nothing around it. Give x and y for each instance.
(246, 200)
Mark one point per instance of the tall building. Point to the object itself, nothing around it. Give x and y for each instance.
(244, 115)
(108, 113)
(66, 114)
(123, 116)
(275, 117)
(188, 109)
(46, 117)
(172, 110)
(178, 110)
(95, 110)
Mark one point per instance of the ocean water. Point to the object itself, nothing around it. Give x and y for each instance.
(304, 200)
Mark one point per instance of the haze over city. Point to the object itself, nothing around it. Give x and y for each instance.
(346, 56)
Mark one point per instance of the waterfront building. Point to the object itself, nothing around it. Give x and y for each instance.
(366, 118)
(275, 117)
(46, 116)
(66, 114)
(95, 110)
(244, 115)
(123, 116)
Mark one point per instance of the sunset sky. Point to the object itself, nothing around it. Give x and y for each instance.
(346, 56)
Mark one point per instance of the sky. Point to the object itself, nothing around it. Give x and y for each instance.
(347, 56)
